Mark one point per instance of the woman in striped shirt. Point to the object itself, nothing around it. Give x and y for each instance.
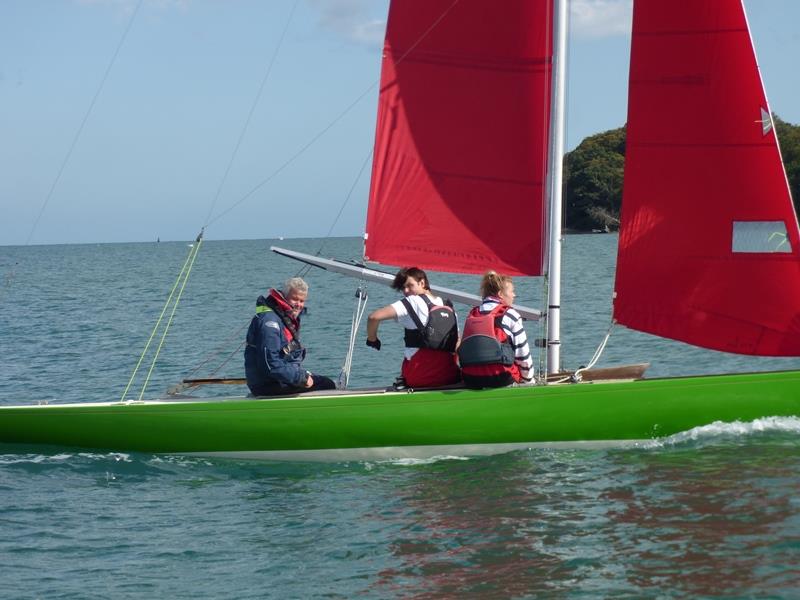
(494, 349)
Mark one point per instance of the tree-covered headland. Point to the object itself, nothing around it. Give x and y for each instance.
(593, 176)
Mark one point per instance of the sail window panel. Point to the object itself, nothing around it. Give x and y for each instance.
(760, 236)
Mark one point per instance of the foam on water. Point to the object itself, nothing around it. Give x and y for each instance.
(719, 430)
(412, 462)
(62, 458)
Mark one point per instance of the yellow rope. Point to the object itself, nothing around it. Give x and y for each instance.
(183, 275)
(172, 314)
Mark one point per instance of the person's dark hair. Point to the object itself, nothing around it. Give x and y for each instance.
(405, 273)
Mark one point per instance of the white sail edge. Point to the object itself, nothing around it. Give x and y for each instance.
(375, 276)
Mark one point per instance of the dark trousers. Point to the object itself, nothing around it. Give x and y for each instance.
(320, 383)
(476, 382)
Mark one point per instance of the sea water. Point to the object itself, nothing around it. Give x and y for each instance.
(710, 512)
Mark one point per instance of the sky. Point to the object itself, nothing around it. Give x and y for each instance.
(137, 120)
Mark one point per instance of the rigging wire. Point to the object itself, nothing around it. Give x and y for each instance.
(346, 200)
(83, 122)
(361, 294)
(369, 154)
(305, 269)
(209, 220)
(250, 114)
(213, 354)
(210, 375)
(294, 156)
(172, 314)
(181, 276)
(10, 274)
(230, 356)
(355, 325)
(334, 122)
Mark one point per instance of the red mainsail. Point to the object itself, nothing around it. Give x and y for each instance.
(709, 251)
(458, 178)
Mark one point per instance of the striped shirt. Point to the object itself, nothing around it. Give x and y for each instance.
(512, 325)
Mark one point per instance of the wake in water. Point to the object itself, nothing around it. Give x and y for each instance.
(720, 431)
(411, 462)
(62, 458)
(712, 434)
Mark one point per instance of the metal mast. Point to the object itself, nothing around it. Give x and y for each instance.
(556, 157)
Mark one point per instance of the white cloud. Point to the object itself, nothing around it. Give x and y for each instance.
(601, 18)
(355, 20)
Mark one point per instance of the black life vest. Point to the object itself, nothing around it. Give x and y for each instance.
(485, 342)
(439, 333)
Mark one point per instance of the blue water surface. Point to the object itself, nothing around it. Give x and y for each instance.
(709, 513)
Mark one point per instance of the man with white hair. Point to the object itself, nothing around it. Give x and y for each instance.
(273, 357)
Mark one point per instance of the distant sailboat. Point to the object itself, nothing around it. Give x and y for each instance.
(471, 107)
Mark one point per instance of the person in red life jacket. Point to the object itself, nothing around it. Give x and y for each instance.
(494, 349)
(273, 357)
(431, 331)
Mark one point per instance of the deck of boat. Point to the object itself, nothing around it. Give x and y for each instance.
(606, 374)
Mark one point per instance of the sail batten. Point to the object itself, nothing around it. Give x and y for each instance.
(705, 198)
(459, 169)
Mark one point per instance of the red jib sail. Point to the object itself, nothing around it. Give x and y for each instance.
(708, 250)
(461, 141)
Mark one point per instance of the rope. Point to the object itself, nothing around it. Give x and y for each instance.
(211, 355)
(224, 344)
(172, 315)
(183, 277)
(358, 314)
(230, 356)
(576, 376)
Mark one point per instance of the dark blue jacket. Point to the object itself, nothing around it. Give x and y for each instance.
(270, 359)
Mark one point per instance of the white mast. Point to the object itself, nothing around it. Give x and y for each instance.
(556, 158)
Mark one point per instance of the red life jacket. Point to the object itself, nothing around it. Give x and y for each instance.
(291, 324)
(485, 349)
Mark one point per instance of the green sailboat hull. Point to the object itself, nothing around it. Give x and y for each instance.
(346, 426)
